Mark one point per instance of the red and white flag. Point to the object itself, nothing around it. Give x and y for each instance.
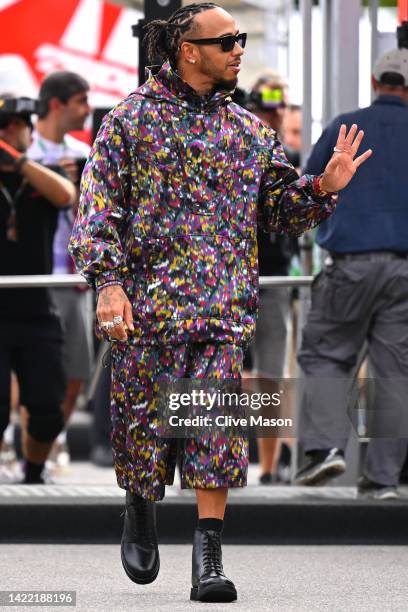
(90, 37)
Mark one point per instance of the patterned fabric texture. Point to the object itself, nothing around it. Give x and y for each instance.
(171, 196)
(145, 463)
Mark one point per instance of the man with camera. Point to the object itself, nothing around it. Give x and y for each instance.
(30, 331)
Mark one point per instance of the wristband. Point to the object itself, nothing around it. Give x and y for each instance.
(108, 284)
(8, 154)
(318, 185)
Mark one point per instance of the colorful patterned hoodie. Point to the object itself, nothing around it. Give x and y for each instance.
(171, 195)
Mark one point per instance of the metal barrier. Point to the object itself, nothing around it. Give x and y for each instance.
(72, 280)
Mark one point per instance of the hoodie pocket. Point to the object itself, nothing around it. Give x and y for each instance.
(201, 277)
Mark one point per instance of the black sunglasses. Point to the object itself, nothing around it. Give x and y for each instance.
(227, 42)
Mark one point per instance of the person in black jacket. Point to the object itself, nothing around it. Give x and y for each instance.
(30, 331)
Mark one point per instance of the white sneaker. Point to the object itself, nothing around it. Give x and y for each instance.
(10, 476)
(8, 455)
(59, 458)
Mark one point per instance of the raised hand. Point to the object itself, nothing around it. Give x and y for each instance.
(344, 163)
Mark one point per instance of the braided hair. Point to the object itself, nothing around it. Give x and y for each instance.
(162, 39)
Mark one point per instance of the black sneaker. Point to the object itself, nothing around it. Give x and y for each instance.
(324, 465)
(374, 490)
(45, 478)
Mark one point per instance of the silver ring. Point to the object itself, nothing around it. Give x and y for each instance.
(107, 325)
(117, 320)
(336, 150)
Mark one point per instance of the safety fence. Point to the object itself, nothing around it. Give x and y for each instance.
(72, 280)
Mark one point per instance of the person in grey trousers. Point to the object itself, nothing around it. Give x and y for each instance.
(361, 297)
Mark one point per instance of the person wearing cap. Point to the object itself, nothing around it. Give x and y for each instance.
(361, 295)
(30, 331)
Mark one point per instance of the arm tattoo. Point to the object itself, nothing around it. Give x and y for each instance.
(109, 292)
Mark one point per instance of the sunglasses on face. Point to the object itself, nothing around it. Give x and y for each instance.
(227, 42)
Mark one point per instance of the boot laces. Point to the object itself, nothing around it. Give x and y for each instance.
(212, 553)
(141, 522)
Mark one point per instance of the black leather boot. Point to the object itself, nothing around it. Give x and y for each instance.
(139, 550)
(208, 578)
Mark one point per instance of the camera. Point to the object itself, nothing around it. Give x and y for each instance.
(266, 99)
(402, 35)
(11, 106)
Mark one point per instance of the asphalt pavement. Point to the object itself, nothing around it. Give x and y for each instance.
(276, 578)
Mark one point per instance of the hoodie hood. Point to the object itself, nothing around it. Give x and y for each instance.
(164, 83)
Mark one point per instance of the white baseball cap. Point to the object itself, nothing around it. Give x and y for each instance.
(392, 63)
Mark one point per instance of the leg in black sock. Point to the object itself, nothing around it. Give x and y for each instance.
(211, 523)
(33, 473)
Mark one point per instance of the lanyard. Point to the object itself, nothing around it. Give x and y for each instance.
(11, 225)
(44, 147)
(66, 214)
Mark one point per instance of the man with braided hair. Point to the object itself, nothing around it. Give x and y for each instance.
(176, 181)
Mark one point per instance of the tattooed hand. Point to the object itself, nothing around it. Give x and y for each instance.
(113, 302)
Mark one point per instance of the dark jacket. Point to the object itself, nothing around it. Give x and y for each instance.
(373, 209)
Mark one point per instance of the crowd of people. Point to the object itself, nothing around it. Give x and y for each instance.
(47, 346)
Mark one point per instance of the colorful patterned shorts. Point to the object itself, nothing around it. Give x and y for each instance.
(144, 462)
